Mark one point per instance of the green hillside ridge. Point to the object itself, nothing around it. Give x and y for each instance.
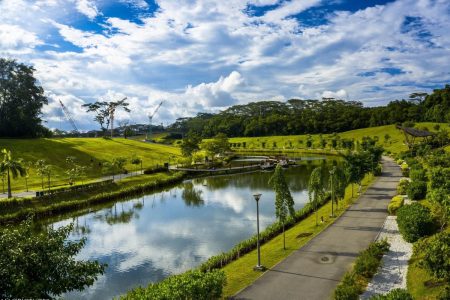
(88, 152)
(395, 144)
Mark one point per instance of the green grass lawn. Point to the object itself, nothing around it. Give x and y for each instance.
(240, 272)
(89, 152)
(395, 144)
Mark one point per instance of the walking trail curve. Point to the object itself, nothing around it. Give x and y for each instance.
(313, 272)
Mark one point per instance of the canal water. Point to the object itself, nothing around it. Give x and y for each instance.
(148, 238)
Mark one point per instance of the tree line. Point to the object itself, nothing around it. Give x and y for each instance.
(297, 116)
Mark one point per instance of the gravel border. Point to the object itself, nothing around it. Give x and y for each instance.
(394, 264)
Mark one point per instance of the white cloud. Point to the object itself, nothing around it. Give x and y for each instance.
(217, 94)
(87, 8)
(179, 51)
(341, 94)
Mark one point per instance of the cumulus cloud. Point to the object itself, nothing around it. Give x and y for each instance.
(196, 54)
(216, 94)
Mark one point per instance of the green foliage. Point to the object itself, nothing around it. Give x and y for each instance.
(378, 170)
(440, 178)
(21, 101)
(190, 144)
(316, 188)
(436, 256)
(396, 294)
(402, 186)
(366, 265)
(415, 221)
(104, 112)
(418, 174)
(395, 204)
(42, 265)
(405, 169)
(192, 285)
(218, 145)
(11, 168)
(417, 190)
(284, 203)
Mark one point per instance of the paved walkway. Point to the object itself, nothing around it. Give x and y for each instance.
(314, 271)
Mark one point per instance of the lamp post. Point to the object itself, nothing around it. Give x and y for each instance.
(332, 191)
(258, 267)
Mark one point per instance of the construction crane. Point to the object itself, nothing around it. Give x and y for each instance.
(69, 117)
(150, 119)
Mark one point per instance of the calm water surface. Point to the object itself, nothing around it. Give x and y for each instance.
(149, 238)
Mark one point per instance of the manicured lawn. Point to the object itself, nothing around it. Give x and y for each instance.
(89, 152)
(240, 272)
(395, 144)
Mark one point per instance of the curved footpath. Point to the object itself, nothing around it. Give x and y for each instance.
(314, 271)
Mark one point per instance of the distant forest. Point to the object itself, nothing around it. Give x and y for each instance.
(295, 116)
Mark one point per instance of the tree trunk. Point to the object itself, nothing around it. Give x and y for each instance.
(9, 186)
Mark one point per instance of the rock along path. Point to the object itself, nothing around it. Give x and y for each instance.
(394, 265)
(314, 271)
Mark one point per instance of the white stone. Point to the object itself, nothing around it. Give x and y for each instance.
(394, 264)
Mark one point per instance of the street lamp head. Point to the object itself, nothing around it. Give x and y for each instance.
(257, 196)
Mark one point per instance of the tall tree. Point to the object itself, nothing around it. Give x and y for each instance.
(190, 144)
(284, 203)
(12, 168)
(316, 189)
(337, 184)
(21, 101)
(104, 112)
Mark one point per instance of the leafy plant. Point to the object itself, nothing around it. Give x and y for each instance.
(192, 285)
(395, 204)
(415, 221)
(417, 190)
(436, 256)
(403, 186)
(42, 265)
(395, 294)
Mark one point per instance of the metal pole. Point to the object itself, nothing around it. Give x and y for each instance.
(258, 267)
(257, 229)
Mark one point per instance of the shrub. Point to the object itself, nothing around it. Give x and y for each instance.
(378, 169)
(396, 294)
(445, 294)
(395, 204)
(400, 161)
(402, 186)
(417, 190)
(414, 221)
(436, 258)
(440, 178)
(405, 169)
(188, 286)
(366, 265)
(348, 289)
(417, 174)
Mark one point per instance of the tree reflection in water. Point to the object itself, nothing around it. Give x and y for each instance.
(192, 196)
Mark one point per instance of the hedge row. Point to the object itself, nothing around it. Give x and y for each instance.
(192, 285)
(245, 246)
(66, 206)
(366, 265)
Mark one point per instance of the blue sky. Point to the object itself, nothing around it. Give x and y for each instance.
(205, 55)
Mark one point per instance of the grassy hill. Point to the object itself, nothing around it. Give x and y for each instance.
(395, 144)
(89, 152)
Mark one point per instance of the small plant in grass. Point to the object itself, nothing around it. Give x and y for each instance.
(402, 187)
(396, 294)
(395, 204)
(417, 190)
(415, 221)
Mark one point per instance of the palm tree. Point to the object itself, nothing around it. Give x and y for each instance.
(12, 168)
(283, 198)
(316, 189)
